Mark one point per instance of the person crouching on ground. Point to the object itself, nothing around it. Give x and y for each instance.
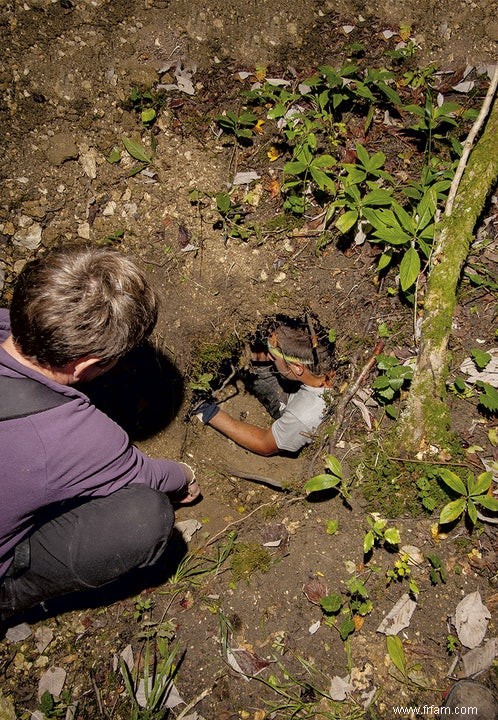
(81, 506)
(292, 377)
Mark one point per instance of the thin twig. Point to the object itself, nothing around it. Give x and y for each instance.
(97, 694)
(237, 522)
(346, 398)
(467, 147)
(193, 703)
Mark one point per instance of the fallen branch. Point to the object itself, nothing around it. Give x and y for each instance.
(349, 395)
(467, 146)
(254, 478)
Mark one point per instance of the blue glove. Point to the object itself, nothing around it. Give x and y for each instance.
(205, 410)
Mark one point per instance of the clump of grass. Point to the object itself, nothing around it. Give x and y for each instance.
(249, 558)
(216, 359)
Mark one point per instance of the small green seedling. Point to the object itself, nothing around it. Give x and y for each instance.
(333, 478)
(401, 571)
(202, 383)
(241, 126)
(393, 375)
(437, 573)
(472, 492)
(452, 644)
(379, 534)
(142, 606)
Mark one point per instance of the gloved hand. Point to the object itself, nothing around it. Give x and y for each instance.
(205, 409)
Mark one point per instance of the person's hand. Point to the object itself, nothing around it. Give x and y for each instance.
(205, 409)
(191, 490)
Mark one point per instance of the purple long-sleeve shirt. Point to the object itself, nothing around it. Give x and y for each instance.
(70, 451)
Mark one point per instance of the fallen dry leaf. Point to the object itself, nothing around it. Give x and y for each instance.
(246, 663)
(315, 590)
(471, 620)
(399, 617)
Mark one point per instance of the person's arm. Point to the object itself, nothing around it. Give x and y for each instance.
(88, 455)
(251, 437)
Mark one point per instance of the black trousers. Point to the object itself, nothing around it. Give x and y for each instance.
(269, 387)
(88, 546)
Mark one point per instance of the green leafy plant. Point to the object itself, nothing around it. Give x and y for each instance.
(437, 572)
(393, 376)
(55, 707)
(307, 168)
(142, 606)
(472, 492)
(157, 682)
(401, 571)
(379, 533)
(452, 644)
(146, 104)
(409, 674)
(232, 217)
(432, 119)
(488, 397)
(332, 478)
(357, 604)
(240, 126)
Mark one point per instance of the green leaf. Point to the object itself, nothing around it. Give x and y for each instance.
(295, 167)
(136, 150)
(480, 485)
(376, 161)
(355, 176)
(114, 156)
(243, 133)
(396, 653)
(334, 465)
(426, 209)
(321, 482)
(391, 411)
(248, 118)
(394, 236)
(480, 358)
(378, 197)
(331, 603)
(392, 536)
(488, 502)
(277, 112)
(362, 154)
(322, 179)
(380, 219)
(332, 527)
(223, 203)
(323, 161)
(368, 542)
(452, 511)
(384, 261)
(148, 115)
(409, 268)
(346, 628)
(472, 511)
(363, 91)
(404, 218)
(346, 221)
(489, 399)
(453, 481)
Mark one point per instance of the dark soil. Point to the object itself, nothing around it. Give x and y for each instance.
(67, 73)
